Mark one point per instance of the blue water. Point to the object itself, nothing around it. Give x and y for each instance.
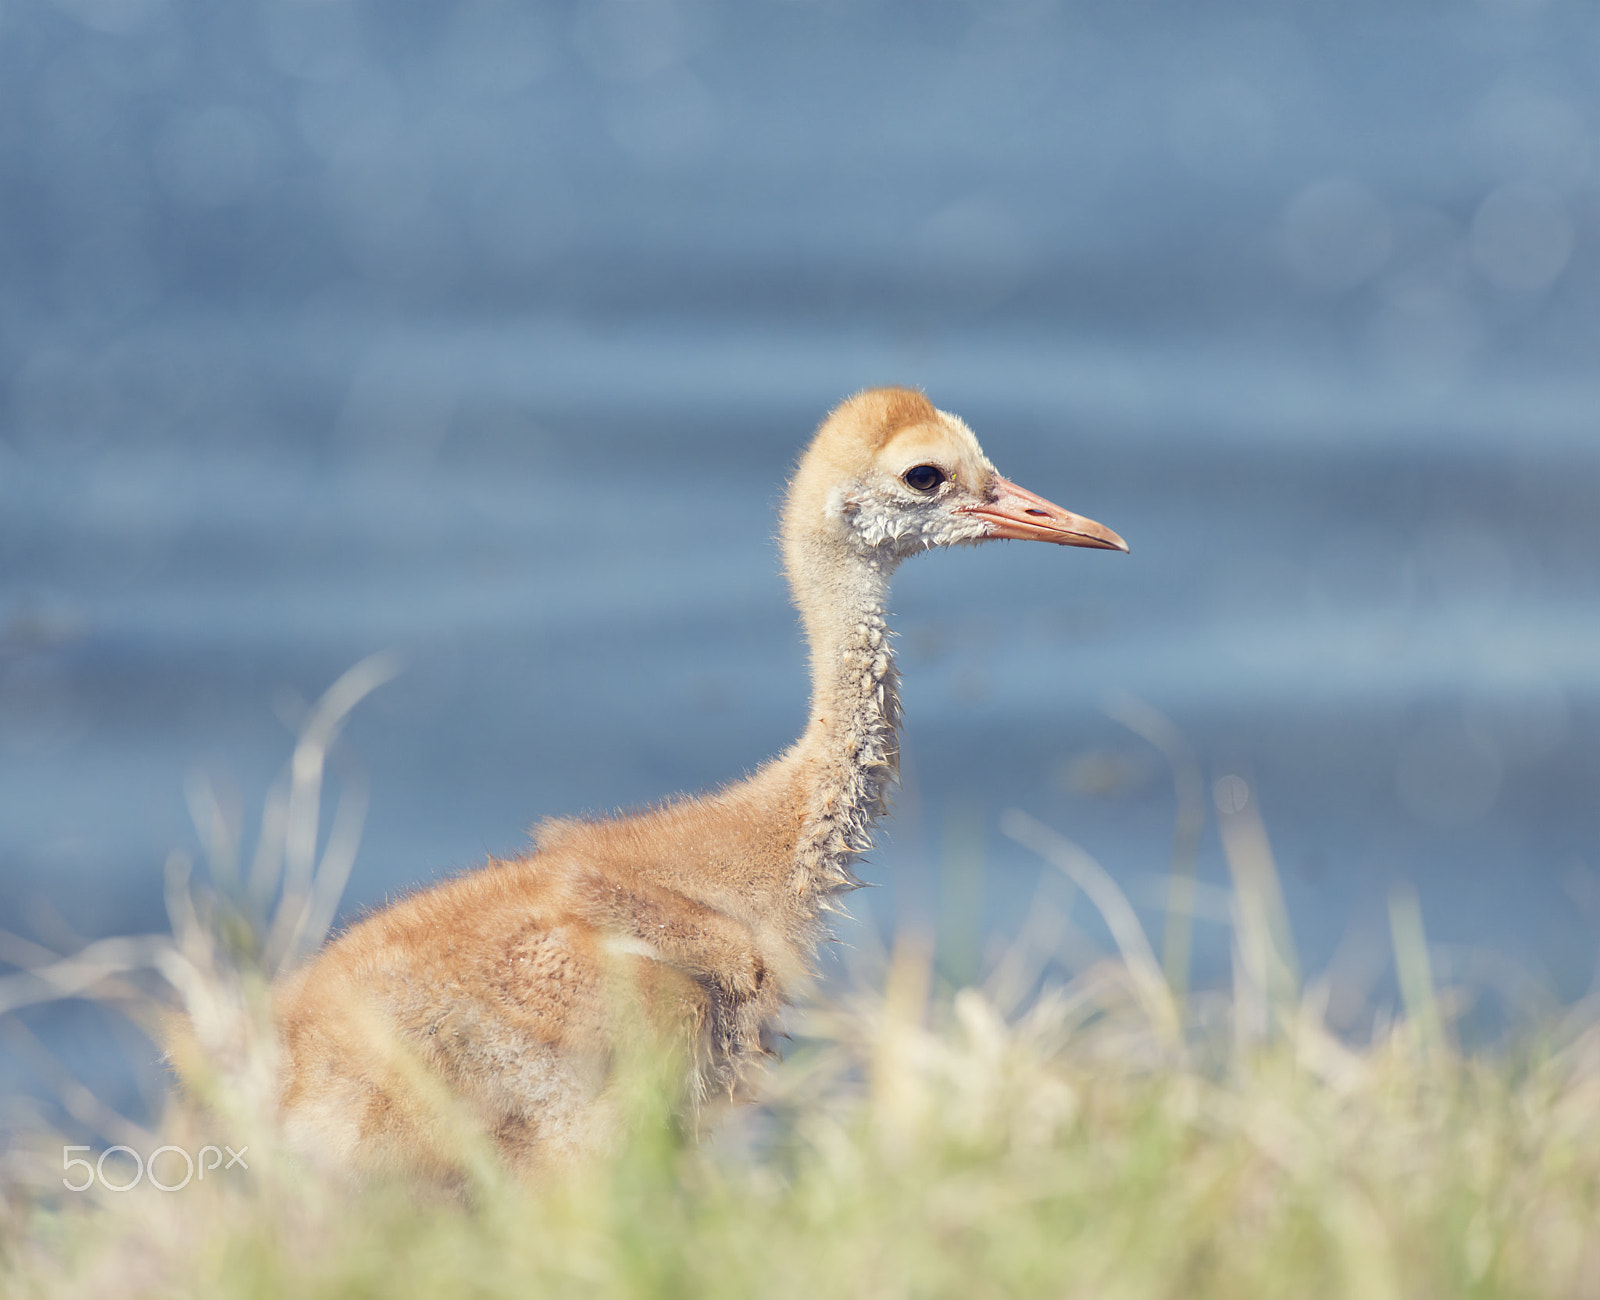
(489, 332)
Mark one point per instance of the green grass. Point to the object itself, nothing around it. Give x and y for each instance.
(1105, 1137)
(931, 1147)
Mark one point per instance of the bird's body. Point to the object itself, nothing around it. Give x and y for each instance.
(500, 996)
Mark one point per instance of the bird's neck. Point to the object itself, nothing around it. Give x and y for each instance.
(850, 751)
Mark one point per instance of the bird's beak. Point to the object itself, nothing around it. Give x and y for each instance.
(1018, 513)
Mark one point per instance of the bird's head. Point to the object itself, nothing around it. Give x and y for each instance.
(889, 475)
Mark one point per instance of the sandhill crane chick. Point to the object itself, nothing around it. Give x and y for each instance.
(504, 989)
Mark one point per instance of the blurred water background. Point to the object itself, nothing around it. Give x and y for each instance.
(487, 331)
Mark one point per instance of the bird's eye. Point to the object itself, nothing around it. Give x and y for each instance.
(923, 477)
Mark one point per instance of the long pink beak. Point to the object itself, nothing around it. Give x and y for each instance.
(1019, 513)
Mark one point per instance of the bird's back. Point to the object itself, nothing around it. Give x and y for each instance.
(495, 1000)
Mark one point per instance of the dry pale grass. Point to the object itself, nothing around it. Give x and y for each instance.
(1104, 1135)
